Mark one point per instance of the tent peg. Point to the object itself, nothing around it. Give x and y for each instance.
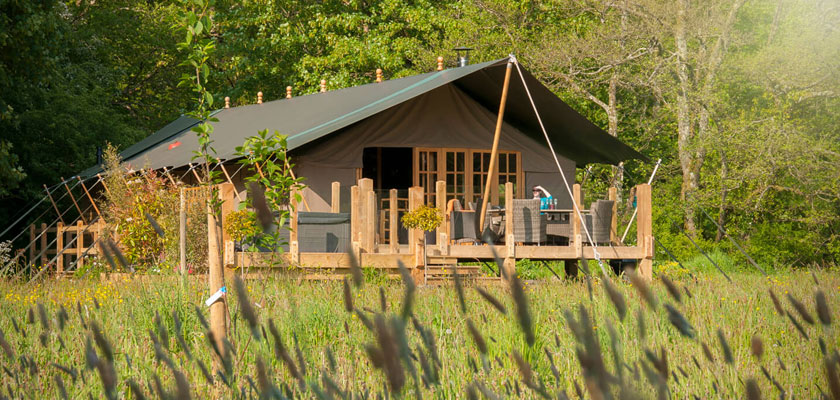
(288, 92)
(259, 97)
(440, 63)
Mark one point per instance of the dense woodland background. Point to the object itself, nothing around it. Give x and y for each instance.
(740, 98)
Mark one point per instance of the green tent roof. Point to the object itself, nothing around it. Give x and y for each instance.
(308, 118)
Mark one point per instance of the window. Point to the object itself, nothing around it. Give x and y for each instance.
(465, 173)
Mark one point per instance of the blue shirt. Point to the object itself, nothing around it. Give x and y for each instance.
(544, 202)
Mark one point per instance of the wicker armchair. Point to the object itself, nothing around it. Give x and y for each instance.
(599, 221)
(528, 224)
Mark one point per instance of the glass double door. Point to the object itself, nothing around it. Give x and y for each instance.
(465, 172)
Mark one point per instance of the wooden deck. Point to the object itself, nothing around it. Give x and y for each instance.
(374, 251)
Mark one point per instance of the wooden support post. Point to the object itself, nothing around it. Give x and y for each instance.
(102, 180)
(440, 199)
(577, 240)
(90, 198)
(415, 236)
(43, 244)
(195, 173)
(644, 230)
(226, 194)
(365, 187)
(294, 244)
(218, 310)
(236, 192)
(393, 223)
(612, 195)
(355, 211)
(59, 247)
(335, 199)
(510, 240)
(494, 152)
(168, 175)
(55, 207)
(369, 242)
(74, 201)
(80, 241)
(182, 233)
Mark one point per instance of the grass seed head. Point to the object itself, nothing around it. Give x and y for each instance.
(707, 353)
(59, 383)
(492, 300)
(724, 347)
(364, 320)
(523, 314)
(459, 289)
(135, 390)
(383, 301)
(257, 194)
(672, 288)
(616, 298)
(776, 303)
(246, 307)
(800, 308)
(102, 342)
(642, 287)
(831, 370)
(822, 308)
(348, 297)
(7, 348)
(477, 338)
(757, 347)
(356, 270)
(797, 325)
(678, 320)
(155, 225)
(410, 287)
(752, 390)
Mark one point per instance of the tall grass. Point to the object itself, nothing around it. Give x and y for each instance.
(67, 343)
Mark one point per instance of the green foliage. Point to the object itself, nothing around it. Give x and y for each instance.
(128, 200)
(10, 171)
(424, 217)
(267, 155)
(242, 225)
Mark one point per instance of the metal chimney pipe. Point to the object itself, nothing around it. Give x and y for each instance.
(463, 54)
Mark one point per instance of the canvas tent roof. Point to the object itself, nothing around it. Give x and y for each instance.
(308, 118)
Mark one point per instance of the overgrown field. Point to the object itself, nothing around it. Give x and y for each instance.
(51, 344)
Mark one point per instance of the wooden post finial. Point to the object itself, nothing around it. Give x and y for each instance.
(378, 75)
(288, 92)
(259, 97)
(323, 85)
(227, 102)
(440, 63)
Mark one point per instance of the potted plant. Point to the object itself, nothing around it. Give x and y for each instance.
(426, 219)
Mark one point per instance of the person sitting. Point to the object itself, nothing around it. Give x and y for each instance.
(544, 201)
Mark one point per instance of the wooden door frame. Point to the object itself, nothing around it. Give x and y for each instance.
(468, 169)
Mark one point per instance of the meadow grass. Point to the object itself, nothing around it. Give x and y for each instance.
(54, 351)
